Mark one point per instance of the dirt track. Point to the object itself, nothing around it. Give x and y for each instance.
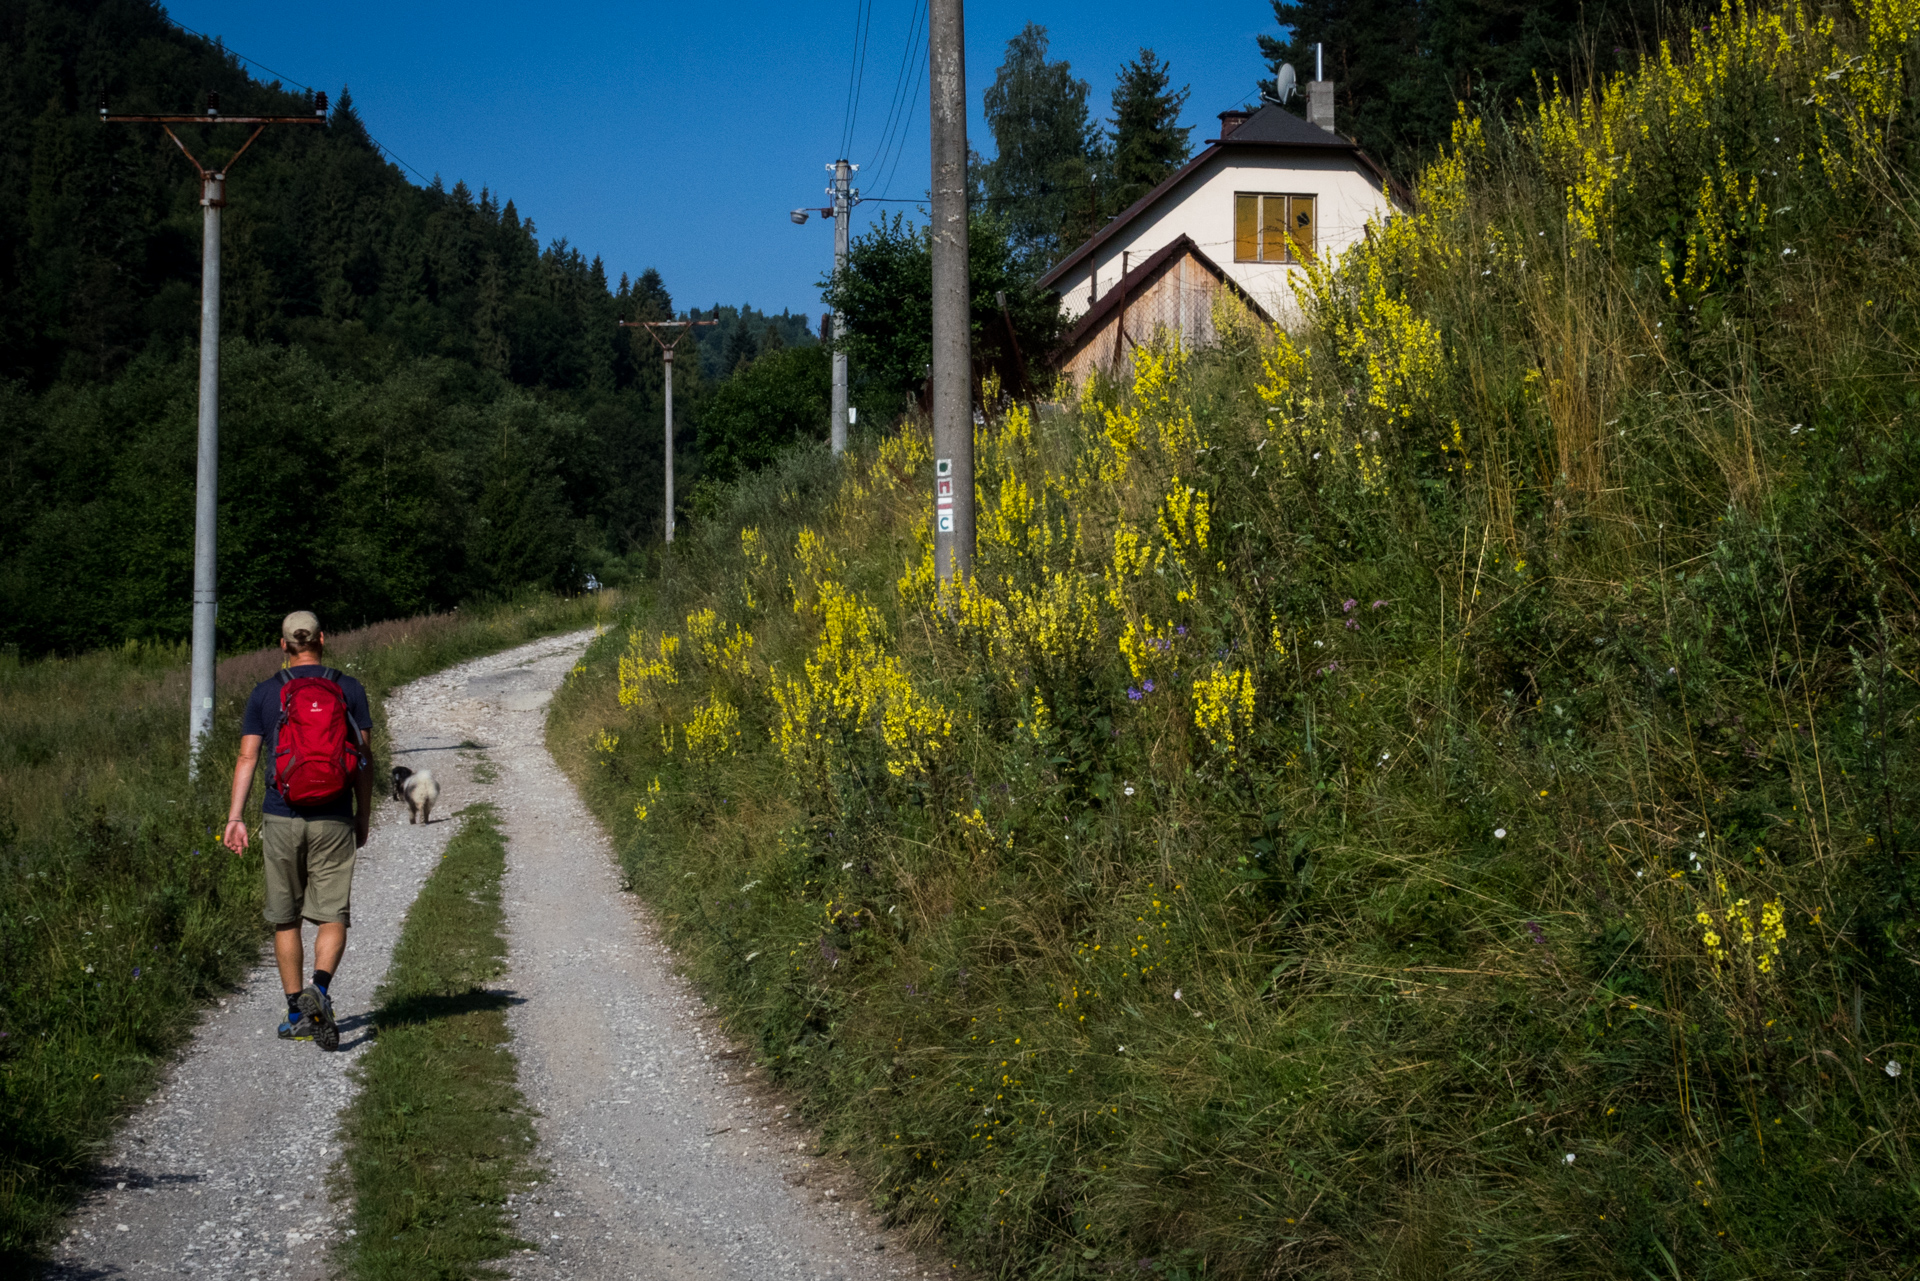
(667, 1157)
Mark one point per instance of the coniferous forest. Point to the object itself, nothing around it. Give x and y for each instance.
(422, 402)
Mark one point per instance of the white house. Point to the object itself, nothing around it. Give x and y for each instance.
(1270, 192)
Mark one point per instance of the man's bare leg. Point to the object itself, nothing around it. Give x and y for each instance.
(287, 954)
(329, 945)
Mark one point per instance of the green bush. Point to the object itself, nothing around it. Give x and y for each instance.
(782, 399)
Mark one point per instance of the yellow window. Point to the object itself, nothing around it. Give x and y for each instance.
(1268, 227)
(1300, 226)
(1273, 229)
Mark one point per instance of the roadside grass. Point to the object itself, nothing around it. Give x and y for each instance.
(439, 1132)
(1431, 793)
(119, 912)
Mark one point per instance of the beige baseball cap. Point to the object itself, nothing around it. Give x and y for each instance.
(300, 627)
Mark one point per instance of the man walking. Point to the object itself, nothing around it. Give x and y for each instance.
(315, 723)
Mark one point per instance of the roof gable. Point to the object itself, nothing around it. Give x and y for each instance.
(1269, 129)
(1130, 284)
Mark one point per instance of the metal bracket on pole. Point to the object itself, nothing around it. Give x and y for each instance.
(206, 507)
(654, 327)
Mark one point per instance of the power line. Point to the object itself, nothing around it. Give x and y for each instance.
(857, 72)
(385, 151)
(918, 57)
(900, 82)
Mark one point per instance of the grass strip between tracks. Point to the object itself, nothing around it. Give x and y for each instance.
(439, 1132)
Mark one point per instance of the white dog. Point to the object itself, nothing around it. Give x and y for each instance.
(418, 790)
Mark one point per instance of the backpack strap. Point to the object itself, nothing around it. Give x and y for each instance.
(281, 678)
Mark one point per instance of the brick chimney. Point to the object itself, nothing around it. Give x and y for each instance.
(1231, 120)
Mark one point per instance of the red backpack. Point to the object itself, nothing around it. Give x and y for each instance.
(315, 757)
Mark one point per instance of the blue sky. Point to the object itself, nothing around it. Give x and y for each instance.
(678, 136)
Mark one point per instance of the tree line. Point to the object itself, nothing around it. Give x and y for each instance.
(421, 403)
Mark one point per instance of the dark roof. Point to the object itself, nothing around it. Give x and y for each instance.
(1271, 126)
(1129, 284)
(1278, 126)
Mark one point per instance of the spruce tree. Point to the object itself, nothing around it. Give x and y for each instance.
(1040, 181)
(1149, 142)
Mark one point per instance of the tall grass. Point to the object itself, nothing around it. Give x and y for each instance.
(119, 910)
(1430, 793)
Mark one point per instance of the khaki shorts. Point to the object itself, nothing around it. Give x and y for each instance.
(309, 863)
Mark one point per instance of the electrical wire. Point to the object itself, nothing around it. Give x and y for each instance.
(384, 150)
(856, 73)
(896, 105)
(917, 56)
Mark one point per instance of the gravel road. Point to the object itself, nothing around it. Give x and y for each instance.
(667, 1156)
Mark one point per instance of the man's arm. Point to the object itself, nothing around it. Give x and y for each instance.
(242, 786)
(363, 792)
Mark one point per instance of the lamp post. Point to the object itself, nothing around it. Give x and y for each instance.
(841, 212)
(206, 508)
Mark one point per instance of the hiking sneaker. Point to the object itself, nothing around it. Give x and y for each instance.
(297, 1027)
(317, 1006)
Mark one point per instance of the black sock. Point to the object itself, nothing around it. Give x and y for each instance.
(321, 978)
(293, 1002)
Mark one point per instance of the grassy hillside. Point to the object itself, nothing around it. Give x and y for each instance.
(1427, 794)
(119, 909)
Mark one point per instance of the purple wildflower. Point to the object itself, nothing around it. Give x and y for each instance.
(1147, 686)
(136, 971)
(1539, 935)
(1348, 607)
(1353, 624)
(1180, 631)
(1133, 695)
(1379, 604)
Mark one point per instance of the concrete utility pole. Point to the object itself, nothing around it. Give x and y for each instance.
(843, 195)
(206, 508)
(666, 358)
(952, 352)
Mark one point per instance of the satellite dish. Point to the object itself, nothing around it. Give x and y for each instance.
(1283, 83)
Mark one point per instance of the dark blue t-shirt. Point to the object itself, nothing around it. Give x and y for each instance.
(263, 718)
